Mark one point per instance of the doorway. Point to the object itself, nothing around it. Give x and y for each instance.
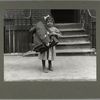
(65, 16)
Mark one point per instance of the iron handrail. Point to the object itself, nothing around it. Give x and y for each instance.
(89, 24)
(90, 14)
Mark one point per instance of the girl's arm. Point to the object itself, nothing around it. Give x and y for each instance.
(57, 32)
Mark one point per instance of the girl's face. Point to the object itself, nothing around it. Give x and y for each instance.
(50, 22)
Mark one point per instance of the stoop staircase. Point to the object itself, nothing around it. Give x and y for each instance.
(74, 40)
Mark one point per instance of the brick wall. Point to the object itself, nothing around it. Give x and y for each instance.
(38, 14)
(19, 17)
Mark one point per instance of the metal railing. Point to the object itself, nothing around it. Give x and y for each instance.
(89, 24)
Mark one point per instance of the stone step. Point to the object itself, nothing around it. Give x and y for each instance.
(68, 25)
(75, 51)
(69, 38)
(64, 52)
(79, 39)
(81, 32)
(74, 35)
(61, 47)
(73, 44)
(71, 29)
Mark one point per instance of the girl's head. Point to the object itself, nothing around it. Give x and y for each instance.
(49, 20)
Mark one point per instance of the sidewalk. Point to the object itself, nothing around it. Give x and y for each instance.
(67, 68)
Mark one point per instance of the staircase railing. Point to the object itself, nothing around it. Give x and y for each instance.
(89, 24)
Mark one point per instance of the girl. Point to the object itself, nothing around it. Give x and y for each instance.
(50, 53)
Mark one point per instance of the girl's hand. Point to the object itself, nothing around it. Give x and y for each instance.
(58, 34)
(47, 44)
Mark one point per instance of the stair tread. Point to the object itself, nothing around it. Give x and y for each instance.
(67, 23)
(75, 50)
(72, 29)
(79, 35)
(74, 42)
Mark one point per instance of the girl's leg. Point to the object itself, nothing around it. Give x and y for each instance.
(44, 67)
(50, 65)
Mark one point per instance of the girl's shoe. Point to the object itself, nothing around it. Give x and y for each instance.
(45, 70)
(50, 69)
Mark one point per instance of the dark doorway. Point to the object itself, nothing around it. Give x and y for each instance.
(65, 16)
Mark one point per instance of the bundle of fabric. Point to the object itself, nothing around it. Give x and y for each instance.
(41, 39)
(54, 40)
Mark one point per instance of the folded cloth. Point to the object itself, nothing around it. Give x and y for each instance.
(40, 48)
(54, 40)
(40, 38)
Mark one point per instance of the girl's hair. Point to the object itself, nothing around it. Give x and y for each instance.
(48, 18)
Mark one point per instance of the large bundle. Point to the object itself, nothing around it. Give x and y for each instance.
(42, 41)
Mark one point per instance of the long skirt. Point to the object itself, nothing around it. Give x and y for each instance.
(48, 55)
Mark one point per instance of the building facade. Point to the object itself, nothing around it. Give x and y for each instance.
(17, 23)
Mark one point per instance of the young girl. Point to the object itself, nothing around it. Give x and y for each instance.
(50, 53)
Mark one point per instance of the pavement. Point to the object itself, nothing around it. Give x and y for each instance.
(65, 68)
